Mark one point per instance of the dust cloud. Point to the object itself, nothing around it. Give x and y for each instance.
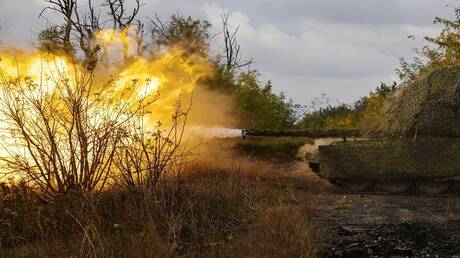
(309, 150)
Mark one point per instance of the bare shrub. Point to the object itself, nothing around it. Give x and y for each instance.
(149, 153)
(64, 128)
(213, 211)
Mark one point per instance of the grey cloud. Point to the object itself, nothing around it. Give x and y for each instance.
(349, 11)
(306, 47)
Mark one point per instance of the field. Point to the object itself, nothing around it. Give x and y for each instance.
(233, 204)
(146, 128)
(246, 207)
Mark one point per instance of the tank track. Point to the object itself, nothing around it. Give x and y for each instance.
(441, 188)
(400, 187)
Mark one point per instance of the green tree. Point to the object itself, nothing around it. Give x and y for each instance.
(260, 107)
(362, 115)
(67, 9)
(443, 52)
(51, 38)
(340, 116)
(191, 34)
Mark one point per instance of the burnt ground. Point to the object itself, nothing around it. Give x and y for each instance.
(379, 225)
(389, 225)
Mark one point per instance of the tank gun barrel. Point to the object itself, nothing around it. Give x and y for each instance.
(311, 133)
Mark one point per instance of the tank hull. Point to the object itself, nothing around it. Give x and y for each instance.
(391, 165)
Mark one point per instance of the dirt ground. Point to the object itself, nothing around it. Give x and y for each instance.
(379, 225)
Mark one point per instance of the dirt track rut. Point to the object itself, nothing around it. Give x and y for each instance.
(383, 225)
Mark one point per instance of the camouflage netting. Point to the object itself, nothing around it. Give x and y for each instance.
(428, 108)
(430, 105)
(390, 159)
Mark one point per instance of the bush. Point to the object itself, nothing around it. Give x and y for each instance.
(278, 149)
(256, 103)
(210, 211)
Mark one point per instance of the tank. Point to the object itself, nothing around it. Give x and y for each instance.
(414, 147)
(428, 165)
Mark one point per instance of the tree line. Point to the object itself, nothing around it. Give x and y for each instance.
(257, 104)
(78, 135)
(441, 51)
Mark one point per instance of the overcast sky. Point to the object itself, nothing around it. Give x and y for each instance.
(342, 48)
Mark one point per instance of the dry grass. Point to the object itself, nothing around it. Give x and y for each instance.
(247, 209)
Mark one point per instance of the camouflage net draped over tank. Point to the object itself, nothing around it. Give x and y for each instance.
(430, 105)
(393, 159)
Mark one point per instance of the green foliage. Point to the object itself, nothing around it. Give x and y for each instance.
(193, 34)
(366, 114)
(362, 115)
(51, 39)
(261, 108)
(52, 34)
(444, 51)
(257, 104)
(369, 109)
(341, 116)
(280, 149)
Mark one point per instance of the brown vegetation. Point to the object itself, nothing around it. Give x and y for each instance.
(210, 211)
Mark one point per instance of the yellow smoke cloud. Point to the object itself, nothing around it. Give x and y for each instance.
(164, 77)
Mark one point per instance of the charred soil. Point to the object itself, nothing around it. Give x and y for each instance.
(383, 225)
